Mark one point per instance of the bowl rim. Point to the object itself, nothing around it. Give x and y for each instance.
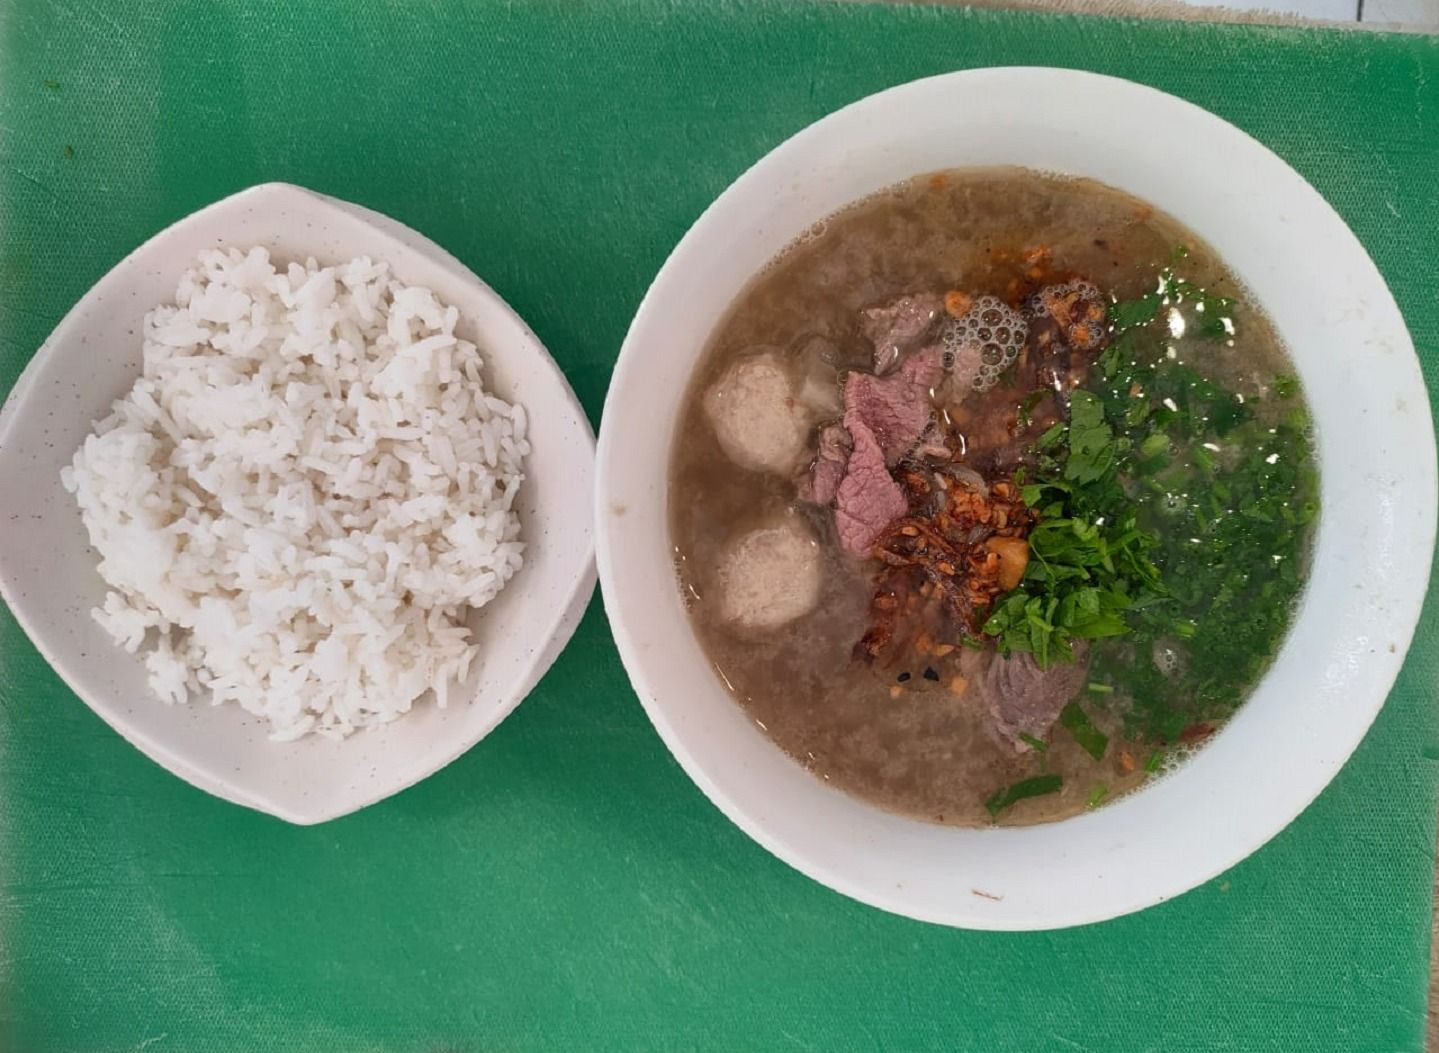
(567, 612)
(1409, 594)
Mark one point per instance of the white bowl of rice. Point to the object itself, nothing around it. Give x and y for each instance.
(293, 503)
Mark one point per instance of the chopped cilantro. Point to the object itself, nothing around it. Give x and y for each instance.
(1091, 440)
(1089, 562)
(1128, 313)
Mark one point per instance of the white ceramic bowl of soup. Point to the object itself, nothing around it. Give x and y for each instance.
(1374, 442)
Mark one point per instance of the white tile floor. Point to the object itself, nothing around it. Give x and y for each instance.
(1414, 14)
(1420, 14)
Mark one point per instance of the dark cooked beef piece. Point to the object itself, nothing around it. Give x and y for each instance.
(1020, 696)
(895, 327)
(820, 483)
(935, 444)
(1068, 323)
(867, 499)
(1003, 458)
(896, 592)
(897, 408)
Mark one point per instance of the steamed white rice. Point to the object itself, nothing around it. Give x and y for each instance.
(300, 500)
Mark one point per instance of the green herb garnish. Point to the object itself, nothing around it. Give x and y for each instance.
(1078, 724)
(1172, 519)
(1096, 795)
(1090, 564)
(1035, 787)
(1231, 528)
(1128, 313)
(1155, 761)
(1038, 745)
(1209, 310)
(1091, 440)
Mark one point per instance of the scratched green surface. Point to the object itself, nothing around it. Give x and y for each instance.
(563, 886)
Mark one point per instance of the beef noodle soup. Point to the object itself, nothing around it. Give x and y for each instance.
(992, 497)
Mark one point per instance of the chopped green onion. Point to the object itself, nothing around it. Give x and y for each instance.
(1155, 760)
(1096, 795)
(1034, 743)
(1078, 724)
(1101, 689)
(1154, 445)
(1035, 787)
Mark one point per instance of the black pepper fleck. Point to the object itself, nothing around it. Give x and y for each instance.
(930, 674)
(903, 678)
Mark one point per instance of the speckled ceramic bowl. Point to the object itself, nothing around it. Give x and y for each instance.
(47, 570)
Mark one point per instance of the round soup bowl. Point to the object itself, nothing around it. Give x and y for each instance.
(1374, 443)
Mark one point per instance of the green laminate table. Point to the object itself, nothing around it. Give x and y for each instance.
(564, 886)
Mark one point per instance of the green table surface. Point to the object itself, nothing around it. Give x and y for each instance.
(564, 885)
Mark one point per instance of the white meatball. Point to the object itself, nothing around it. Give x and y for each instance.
(756, 416)
(770, 576)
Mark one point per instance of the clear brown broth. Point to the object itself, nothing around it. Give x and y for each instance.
(927, 752)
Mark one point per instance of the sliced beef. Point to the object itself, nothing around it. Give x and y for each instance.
(820, 483)
(895, 327)
(924, 368)
(896, 409)
(1020, 696)
(884, 419)
(756, 417)
(868, 499)
(770, 576)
